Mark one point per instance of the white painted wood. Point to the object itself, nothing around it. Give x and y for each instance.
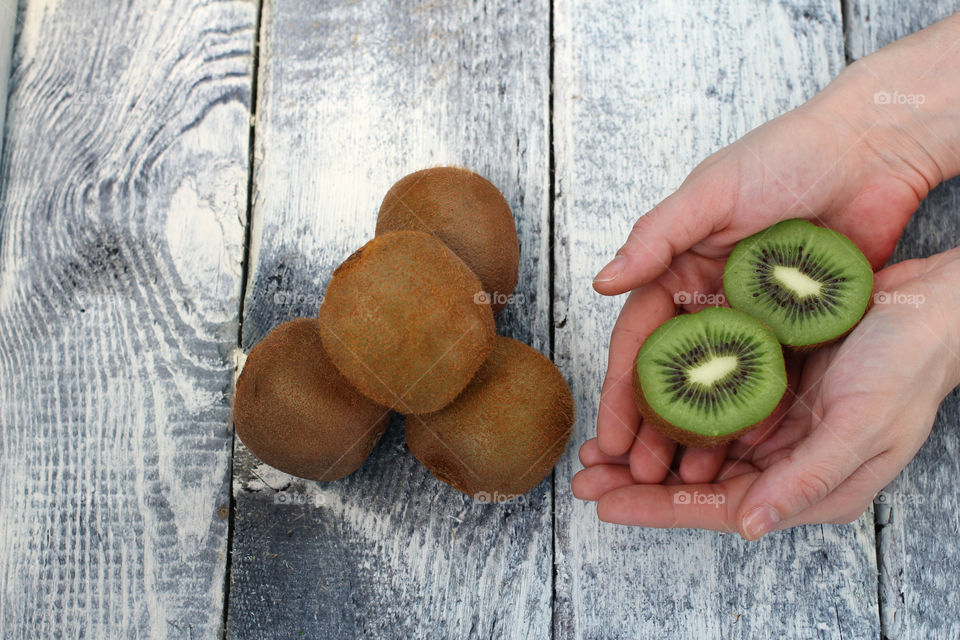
(918, 512)
(8, 28)
(121, 234)
(353, 96)
(644, 91)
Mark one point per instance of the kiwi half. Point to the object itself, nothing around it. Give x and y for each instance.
(705, 378)
(809, 284)
(295, 412)
(406, 322)
(504, 433)
(468, 214)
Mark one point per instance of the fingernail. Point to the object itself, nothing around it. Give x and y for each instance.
(760, 521)
(612, 270)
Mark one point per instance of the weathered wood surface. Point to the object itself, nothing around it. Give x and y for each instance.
(643, 91)
(8, 29)
(352, 96)
(121, 238)
(917, 517)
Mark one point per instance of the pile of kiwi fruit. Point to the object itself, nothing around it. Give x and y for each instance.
(708, 377)
(407, 325)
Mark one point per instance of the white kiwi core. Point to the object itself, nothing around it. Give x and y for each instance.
(713, 370)
(797, 281)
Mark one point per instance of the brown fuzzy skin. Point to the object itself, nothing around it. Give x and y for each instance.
(504, 433)
(406, 322)
(684, 437)
(468, 214)
(295, 412)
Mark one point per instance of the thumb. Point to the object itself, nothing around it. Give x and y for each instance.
(685, 218)
(827, 457)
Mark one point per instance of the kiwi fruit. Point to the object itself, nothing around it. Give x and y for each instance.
(809, 284)
(295, 412)
(468, 214)
(406, 322)
(504, 433)
(706, 378)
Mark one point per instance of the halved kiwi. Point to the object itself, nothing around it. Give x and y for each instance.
(809, 284)
(705, 378)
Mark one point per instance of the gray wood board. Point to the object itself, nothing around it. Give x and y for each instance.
(918, 521)
(121, 247)
(352, 96)
(644, 91)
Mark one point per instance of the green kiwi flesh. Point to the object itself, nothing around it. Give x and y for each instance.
(705, 378)
(809, 284)
(504, 433)
(406, 322)
(468, 214)
(294, 411)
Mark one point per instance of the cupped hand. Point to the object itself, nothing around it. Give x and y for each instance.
(815, 163)
(861, 410)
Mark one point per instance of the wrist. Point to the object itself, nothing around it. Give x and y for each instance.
(903, 103)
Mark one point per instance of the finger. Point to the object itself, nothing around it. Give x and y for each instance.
(701, 465)
(593, 482)
(679, 222)
(590, 455)
(694, 282)
(617, 415)
(701, 506)
(836, 447)
(854, 495)
(651, 456)
(733, 468)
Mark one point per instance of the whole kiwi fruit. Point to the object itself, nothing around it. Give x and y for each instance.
(406, 322)
(504, 433)
(468, 214)
(294, 410)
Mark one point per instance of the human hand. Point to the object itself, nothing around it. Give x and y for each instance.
(862, 409)
(842, 159)
(845, 159)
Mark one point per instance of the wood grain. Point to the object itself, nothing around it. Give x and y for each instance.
(917, 513)
(644, 91)
(121, 238)
(353, 96)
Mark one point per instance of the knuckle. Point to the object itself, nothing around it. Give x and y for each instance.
(813, 485)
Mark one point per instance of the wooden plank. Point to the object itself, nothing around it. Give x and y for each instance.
(121, 246)
(918, 510)
(642, 93)
(8, 29)
(352, 96)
